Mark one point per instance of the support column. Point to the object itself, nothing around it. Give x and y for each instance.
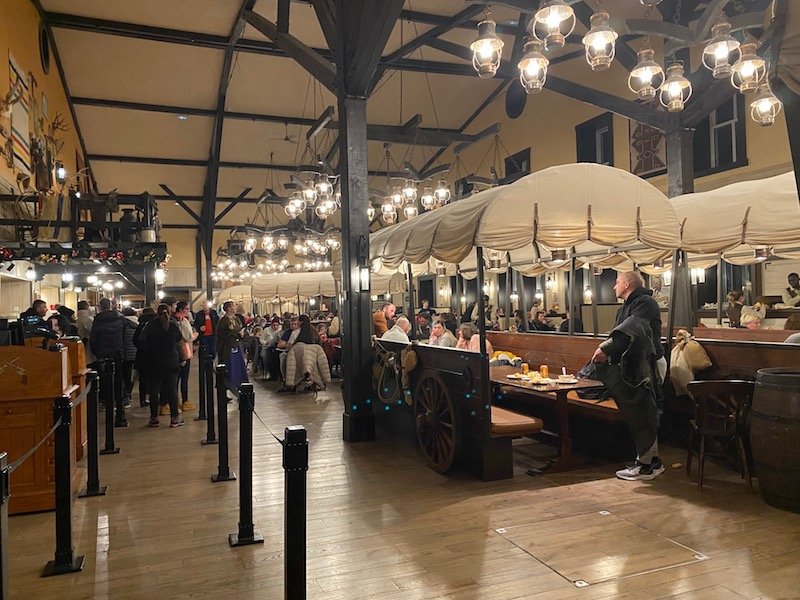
(149, 281)
(791, 112)
(358, 421)
(680, 158)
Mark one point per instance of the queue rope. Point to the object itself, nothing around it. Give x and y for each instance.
(13, 466)
(235, 392)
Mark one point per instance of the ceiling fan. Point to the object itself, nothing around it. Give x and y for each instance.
(286, 137)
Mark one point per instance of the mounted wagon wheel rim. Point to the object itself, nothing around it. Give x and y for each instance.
(437, 429)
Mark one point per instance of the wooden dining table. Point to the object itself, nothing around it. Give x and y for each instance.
(554, 394)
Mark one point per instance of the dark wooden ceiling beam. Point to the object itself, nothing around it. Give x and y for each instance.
(375, 25)
(326, 15)
(322, 69)
(283, 16)
(231, 205)
(179, 201)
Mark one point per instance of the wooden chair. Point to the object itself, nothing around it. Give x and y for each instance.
(721, 416)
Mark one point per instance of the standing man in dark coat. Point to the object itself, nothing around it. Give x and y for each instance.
(106, 341)
(638, 308)
(205, 323)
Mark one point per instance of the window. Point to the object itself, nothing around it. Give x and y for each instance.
(517, 165)
(719, 140)
(594, 140)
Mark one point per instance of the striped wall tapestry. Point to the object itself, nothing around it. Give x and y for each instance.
(20, 120)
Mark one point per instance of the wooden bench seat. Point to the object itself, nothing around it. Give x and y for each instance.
(509, 423)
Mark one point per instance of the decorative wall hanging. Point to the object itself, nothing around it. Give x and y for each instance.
(648, 150)
(20, 123)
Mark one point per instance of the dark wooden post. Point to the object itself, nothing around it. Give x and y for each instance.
(4, 594)
(680, 158)
(481, 302)
(791, 112)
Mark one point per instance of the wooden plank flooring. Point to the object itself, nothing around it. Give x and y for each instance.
(381, 525)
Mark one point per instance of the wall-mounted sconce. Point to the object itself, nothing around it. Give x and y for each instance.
(61, 173)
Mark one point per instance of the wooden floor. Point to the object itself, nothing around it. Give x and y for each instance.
(382, 525)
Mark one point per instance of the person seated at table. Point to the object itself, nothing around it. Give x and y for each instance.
(335, 325)
(734, 308)
(423, 326)
(540, 322)
(440, 336)
(752, 316)
(399, 332)
(426, 310)
(519, 321)
(791, 294)
(268, 342)
(554, 310)
(792, 323)
(576, 328)
(469, 339)
(382, 319)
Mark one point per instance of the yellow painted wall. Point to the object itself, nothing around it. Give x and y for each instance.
(19, 36)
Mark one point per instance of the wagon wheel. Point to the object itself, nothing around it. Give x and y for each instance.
(436, 422)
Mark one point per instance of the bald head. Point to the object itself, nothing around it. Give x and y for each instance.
(627, 282)
(404, 324)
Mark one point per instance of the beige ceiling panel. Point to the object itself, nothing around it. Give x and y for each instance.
(303, 23)
(139, 133)
(232, 182)
(104, 66)
(455, 98)
(205, 16)
(276, 86)
(170, 212)
(133, 178)
(247, 141)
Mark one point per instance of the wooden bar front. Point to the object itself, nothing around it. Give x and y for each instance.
(30, 380)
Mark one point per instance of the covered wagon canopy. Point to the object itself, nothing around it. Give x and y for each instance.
(291, 285)
(598, 210)
(738, 219)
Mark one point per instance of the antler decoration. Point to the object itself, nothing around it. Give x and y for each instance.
(59, 123)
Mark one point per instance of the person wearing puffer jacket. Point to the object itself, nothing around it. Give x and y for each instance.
(148, 314)
(128, 352)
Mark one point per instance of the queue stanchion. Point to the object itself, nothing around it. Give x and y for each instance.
(4, 472)
(201, 390)
(119, 396)
(65, 560)
(246, 534)
(295, 465)
(93, 487)
(224, 472)
(107, 391)
(211, 424)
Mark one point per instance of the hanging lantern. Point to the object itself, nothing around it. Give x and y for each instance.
(765, 107)
(323, 186)
(283, 242)
(442, 193)
(428, 200)
(388, 211)
(309, 193)
(410, 211)
(647, 76)
(649, 3)
(267, 242)
(371, 213)
(396, 197)
(332, 241)
(250, 245)
(487, 50)
(338, 198)
(600, 42)
(717, 53)
(533, 67)
(749, 70)
(409, 191)
(676, 90)
(553, 23)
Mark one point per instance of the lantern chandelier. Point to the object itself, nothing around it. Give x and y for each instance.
(313, 189)
(552, 24)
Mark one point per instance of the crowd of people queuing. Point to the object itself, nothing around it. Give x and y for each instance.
(157, 344)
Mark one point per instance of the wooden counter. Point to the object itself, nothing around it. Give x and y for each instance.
(30, 380)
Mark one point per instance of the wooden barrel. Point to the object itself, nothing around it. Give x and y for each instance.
(774, 435)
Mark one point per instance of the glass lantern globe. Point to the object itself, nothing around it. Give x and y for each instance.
(396, 197)
(600, 42)
(409, 191)
(553, 23)
(267, 242)
(749, 70)
(487, 50)
(676, 89)
(309, 192)
(442, 193)
(533, 67)
(250, 245)
(323, 186)
(410, 211)
(647, 76)
(283, 242)
(765, 108)
(428, 200)
(371, 213)
(717, 53)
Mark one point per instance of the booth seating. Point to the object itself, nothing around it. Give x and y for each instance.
(775, 336)
(31, 378)
(450, 403)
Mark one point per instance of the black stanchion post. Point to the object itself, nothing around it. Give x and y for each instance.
(201, 390)
(119, 396)
(93, 473)
(246, 534)
(4, 526)
(224, 472)
(211, 424)
(107, 389)
(65, 559)
(295, 465)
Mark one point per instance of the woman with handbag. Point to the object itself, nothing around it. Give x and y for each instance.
(183, 316)
(162, 345)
